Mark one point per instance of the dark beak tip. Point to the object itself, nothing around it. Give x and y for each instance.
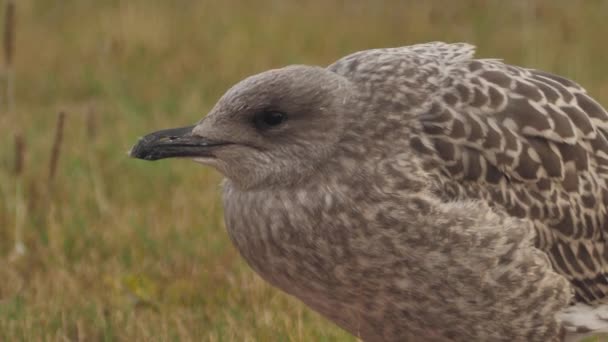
(133, 153)
(139, 150)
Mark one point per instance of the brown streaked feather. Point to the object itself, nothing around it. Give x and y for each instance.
(533, 144)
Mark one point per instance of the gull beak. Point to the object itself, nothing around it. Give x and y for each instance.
(174, 143)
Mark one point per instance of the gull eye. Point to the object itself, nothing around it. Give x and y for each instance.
(268, 119)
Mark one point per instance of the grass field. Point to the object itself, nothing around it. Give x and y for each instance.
(122, 250)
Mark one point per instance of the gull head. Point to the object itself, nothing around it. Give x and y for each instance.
(275, 128)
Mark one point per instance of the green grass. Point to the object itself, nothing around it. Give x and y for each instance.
(119, 249)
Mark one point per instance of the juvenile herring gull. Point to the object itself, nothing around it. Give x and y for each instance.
(416, 193)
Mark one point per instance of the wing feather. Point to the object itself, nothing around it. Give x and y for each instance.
(533, 144)
(528, 142)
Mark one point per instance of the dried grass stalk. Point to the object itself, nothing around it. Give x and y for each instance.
(9, 53)
(19, 155)
(9, 32)
(56, 146)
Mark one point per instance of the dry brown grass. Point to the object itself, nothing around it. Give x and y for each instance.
(126, 250)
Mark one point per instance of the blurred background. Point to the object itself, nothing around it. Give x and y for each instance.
(96, 246)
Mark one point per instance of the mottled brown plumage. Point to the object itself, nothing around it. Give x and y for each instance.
(416, 193)
(534, 145)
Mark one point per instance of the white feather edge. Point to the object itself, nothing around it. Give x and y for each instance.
(582, 320)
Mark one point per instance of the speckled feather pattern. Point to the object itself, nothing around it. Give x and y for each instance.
(469, 203)
(534, 145)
